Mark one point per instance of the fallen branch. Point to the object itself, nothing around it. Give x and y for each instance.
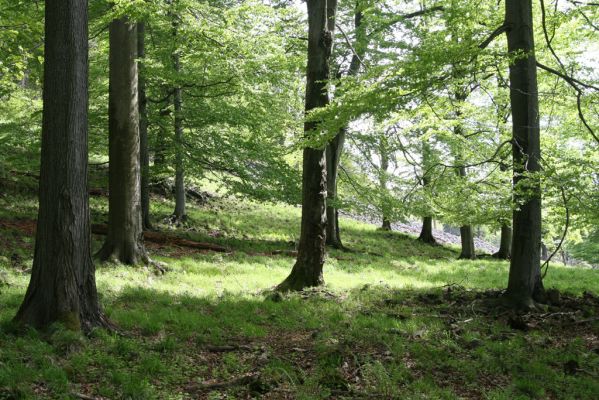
(161, 238)
(239, 381)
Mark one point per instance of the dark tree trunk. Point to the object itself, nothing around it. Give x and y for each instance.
(467, 238)
(144, 155)
(426, 234)
(333, 156)
(124, 242)
(524, 284)
(179, 213)
(307, 270)
(335, 147)
(505, 245)
(62, 286)
(383, 178)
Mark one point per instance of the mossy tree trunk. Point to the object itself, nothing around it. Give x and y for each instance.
(524, 283)
(124, 241)
(62, 286)
(307, 270)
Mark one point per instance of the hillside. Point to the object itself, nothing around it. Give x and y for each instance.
(396, 319)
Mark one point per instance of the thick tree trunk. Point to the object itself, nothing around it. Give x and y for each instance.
(467, 239)
(505, 245)
(144, 154)
(124, 242)
(524, 284)
(426, 234)
(62, 286)
(307, 270)
(335, 147)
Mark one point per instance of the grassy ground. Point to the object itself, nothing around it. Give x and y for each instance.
(397, 319)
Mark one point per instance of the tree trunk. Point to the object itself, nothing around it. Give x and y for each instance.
(144, 155)
(124, 242)
(179, 213)
(62, 286)
(383, 178)
(467, 239)
(307, 270)
(524, 284)
(426, 234)
(505, 246)
(335, 147)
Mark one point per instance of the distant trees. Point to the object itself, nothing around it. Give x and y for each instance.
(124, 242)
(62, 286)
(307, 270)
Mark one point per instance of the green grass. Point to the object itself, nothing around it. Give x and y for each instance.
(396, 319)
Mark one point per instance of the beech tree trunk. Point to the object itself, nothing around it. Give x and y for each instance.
(124, 242)
(335, 147)
(524, 283)
(179, 213)
(307, 270)
(467, 239)
(383, 178)
(426, 234)
(144, 155)
(505, 245)
(62, 286)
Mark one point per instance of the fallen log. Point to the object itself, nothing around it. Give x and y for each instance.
(162, 238)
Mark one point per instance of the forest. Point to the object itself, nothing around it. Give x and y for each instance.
(299, 199)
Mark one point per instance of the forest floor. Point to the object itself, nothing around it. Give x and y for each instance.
(396, 319)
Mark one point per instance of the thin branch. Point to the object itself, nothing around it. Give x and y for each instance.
(559, 246)
(497, 32)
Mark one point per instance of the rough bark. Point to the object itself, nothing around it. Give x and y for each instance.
(144, 154)
(124, 242)
(524, 283)
(307, 270)
(505, 245)
(62, 286)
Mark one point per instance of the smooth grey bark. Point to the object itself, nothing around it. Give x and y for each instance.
(524, 283)
(144, 154)
(334, 149)
(307, 270)
(467, 239)
(505, 244)
(124, 241)
(62, 287)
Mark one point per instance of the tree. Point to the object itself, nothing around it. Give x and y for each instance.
(144, 153)
(124, 242)
(524, 284)
(62, 286)
(335, 147)
(307, 270)
(426, 234)
(179, 213)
